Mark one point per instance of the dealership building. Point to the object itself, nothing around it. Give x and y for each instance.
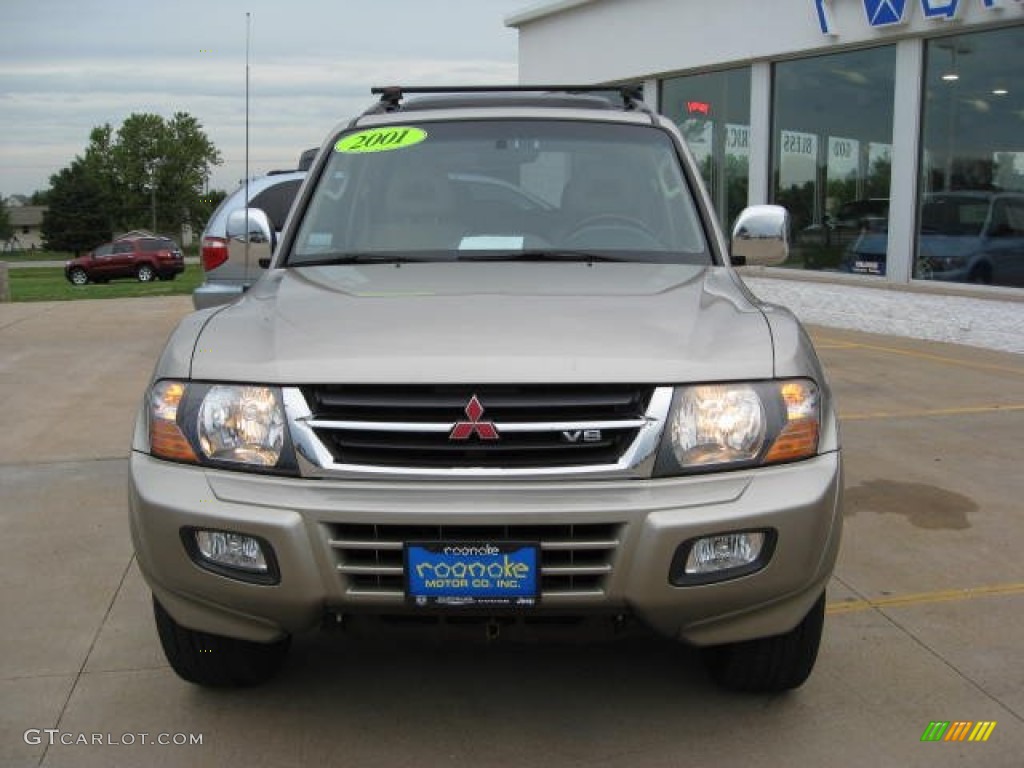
(892, 130)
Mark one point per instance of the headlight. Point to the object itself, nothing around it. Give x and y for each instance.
(241, 424)
(219, 425)
(717, 425)
(725, 426)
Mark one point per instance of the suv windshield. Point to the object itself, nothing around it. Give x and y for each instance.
(501, 190)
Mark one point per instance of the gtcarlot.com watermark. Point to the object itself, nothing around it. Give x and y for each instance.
(55, 736)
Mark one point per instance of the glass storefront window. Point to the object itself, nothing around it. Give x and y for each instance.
(713, 112)
(832, 156)
(971, 211)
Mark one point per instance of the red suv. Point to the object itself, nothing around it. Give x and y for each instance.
(143, 258)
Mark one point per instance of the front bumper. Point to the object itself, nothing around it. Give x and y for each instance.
(300, 519)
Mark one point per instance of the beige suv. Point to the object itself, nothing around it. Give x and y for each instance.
(543, 395)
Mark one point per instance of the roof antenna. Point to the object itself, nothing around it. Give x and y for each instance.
(248, 27)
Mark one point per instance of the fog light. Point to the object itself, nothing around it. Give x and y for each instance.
(722, 556)
(232, 550)
(235, 555)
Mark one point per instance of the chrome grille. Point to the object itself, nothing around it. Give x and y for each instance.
(574, 559)
(501, 427)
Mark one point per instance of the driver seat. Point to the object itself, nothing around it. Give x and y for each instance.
(421, 211)
(597, 191)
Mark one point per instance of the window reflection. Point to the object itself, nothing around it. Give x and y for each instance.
(971, 211)
(713, 113)
(832, 157)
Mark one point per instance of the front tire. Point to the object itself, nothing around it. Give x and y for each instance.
(770, 664)
(145, 273)
(981, 275)
(77, 276)
(216, 661)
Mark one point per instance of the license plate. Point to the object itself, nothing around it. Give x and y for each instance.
(472, 573)
(868, 267)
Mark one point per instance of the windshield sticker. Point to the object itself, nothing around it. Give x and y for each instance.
(491, 243)
(381, 139)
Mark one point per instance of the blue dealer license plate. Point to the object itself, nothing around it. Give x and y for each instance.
(472, 573)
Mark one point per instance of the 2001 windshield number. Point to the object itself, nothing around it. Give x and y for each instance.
(378, 138)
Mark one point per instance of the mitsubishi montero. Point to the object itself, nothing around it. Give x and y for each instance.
(544, 394)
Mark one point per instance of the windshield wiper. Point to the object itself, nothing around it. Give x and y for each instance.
(391, 257)
(379, 257)
(586, 257)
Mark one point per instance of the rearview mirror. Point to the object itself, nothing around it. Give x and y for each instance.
(760, 236)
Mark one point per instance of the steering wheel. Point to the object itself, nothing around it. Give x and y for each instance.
(609, 221)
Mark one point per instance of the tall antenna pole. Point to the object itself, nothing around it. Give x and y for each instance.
(248, 26)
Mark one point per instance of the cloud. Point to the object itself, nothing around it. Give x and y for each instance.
(293, 103)
(68, 66)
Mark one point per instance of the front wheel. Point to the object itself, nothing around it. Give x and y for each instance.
(145, 273)
(981, 274)
(770, 664)
(77, 276)
(216, 661)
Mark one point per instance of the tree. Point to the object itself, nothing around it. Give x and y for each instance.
(77, 219)
(150, 173)
(208, 203)
(188, 158)
(6, 230)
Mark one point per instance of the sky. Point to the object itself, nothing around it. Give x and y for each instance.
(67, 66)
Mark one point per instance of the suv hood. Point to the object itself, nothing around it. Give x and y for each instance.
(518, 322)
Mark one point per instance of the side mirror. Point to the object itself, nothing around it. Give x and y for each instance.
(760, 236)
(254, 229)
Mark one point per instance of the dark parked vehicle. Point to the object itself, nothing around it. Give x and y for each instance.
(849, 221)
(141, 258)
(974, 237)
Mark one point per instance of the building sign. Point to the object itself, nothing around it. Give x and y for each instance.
(737, 140)
(843, 159)
(799, 159)
(889, 13)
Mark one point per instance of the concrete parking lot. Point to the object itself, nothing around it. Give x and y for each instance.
(926, 610)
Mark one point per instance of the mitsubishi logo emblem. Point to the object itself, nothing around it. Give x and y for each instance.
(463, 430)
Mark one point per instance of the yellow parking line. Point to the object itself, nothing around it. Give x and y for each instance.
(919, 355)
(924, 413)
(924, 598)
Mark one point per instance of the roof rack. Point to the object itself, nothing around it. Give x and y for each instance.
(391, 96)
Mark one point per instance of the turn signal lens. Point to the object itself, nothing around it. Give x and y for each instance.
(799, 436)
(166, 440)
